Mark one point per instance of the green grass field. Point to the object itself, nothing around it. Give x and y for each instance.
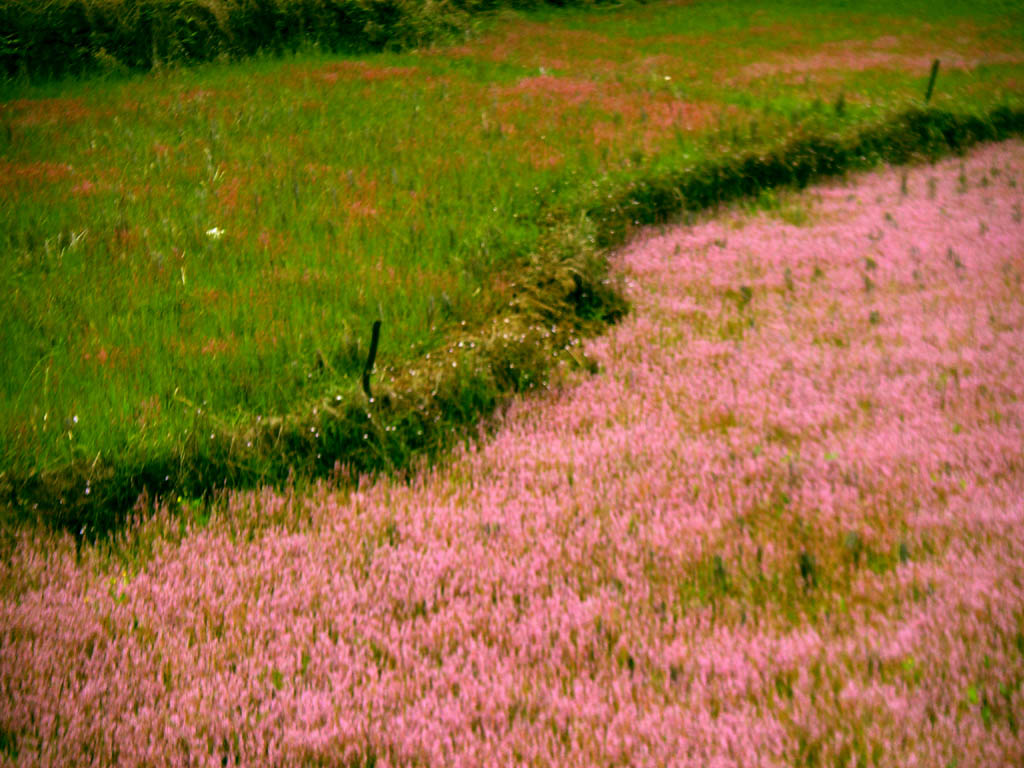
(211, 245)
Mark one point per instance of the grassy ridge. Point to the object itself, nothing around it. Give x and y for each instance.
(57, 37)
(196, 258)
(915, 134)
(410, 417)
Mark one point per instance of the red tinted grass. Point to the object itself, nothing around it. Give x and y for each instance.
(124, 238)
(84, 189)
(112, 357)
(887, 52)
(206, 347)
(361, 209)
(536, 44)
(23, 112)
(354, 70)
(227, 195)
(651, 116)
(649, 120)
(33, 173)
(545, 157)
(213, 347)
(569, 90)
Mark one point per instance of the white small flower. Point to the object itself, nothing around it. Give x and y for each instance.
(215, 232)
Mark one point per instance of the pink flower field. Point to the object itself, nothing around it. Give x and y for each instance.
(783, 526)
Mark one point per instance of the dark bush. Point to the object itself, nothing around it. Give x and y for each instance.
(51, 38)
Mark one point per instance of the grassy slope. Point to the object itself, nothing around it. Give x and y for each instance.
(405, 187)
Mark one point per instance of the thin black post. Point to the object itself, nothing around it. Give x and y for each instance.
(931, 81)
(374, 338)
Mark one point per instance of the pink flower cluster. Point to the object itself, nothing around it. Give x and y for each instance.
(783, 526)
